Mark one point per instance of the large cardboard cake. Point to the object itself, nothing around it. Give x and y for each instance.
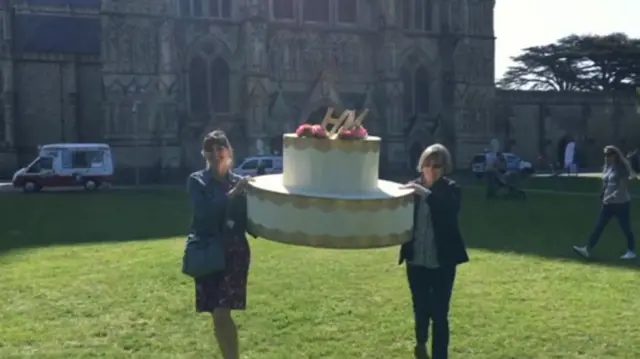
(329, 194)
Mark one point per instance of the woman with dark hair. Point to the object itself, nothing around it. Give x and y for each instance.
(616, 202)
(435, 250)
(219, 213)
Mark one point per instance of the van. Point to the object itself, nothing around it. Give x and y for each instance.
(514, 164)
(249, 166)
(87, 165)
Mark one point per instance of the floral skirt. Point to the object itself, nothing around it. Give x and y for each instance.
(226, 289)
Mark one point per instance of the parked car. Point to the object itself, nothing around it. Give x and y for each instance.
(88, 165)
(250, 165)
(514, 164)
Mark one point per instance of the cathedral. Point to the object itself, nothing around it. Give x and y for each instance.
(150, 77)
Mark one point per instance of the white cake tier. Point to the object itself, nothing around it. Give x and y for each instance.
(331, 166)
(381, 218)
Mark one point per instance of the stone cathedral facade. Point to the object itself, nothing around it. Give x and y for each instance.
(150, 77)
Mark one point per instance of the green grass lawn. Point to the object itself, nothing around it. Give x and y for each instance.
(98, 276)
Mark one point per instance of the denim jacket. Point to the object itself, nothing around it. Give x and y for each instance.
(212, 208)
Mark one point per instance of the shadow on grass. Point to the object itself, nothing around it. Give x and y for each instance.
(582, 184)
(545, 225)
(45, 219)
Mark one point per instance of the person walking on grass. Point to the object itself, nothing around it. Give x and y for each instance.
(220, 214)
(435, 251)
(616, 202)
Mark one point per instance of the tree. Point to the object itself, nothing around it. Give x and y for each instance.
(552, 67)
(608, 63)
(577, 63)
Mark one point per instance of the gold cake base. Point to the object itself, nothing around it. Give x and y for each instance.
(327, 241)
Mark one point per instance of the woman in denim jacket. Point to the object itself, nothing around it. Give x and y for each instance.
(219, 212)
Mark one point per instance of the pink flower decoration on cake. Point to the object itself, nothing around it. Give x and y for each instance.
(358, 133)
(307, 130)
(318, 131)
(304, 130)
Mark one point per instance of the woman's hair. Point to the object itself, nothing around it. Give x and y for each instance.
(620, 160)
(214, 141)
(439, 155)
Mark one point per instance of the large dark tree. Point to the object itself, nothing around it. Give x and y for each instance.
(609, 63)
(577, 63)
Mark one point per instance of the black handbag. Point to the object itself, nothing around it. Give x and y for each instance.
(203, 256)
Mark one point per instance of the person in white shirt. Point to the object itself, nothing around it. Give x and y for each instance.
(570, 165)
(489, 158)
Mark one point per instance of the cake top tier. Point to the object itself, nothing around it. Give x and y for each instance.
(369, 144)
(345, 127)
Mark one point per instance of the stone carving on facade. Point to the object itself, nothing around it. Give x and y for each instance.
(257, 54)
(389, 11)
(280, 116)
(147, 7)
(257, 51)
(168, 47)
(457, 15)
(312, 55)
(343, 53)
(389, 59)
(144, 49)
(257, 8)
(476, 112)
(471, 62)
(283, 56)
(112, 44)
(481, 15)
(258, 107)
(301, 56)
(394, 112)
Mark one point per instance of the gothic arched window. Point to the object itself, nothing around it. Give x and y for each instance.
(201, 8)
(316, 10)
(408, 95)
(417, 15)
(283, 10)
(416, 92)
(219, 86)
(421, 96)
(209, 86)
(198, 92)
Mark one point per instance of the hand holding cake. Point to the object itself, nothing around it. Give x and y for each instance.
(418, 189)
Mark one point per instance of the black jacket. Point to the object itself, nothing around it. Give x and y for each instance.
(444, 203)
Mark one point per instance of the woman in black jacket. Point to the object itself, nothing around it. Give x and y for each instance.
(435, 250)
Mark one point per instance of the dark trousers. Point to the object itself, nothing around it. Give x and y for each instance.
(492, 184)
(431, 291)
(622, 212)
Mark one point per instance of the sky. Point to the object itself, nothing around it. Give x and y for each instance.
(524, 23)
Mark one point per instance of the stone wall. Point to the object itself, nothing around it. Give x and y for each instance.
(535, 122)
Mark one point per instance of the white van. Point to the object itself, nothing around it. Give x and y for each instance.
(88, 165)
(250, 165)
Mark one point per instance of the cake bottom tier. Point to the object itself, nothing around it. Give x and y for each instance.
(382, 219)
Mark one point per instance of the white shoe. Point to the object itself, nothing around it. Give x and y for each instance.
(582, 251)
(629, 255)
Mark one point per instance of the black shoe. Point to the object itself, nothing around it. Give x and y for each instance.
(420, 352)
